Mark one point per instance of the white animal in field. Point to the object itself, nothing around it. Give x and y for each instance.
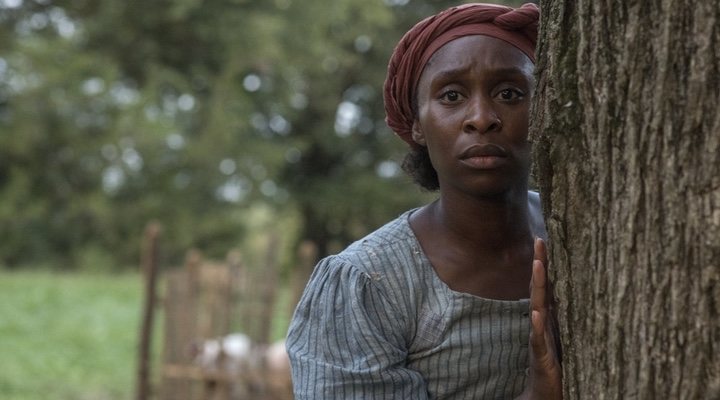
(277, 364)
(276, 356)
(260, 368)
(230, 353)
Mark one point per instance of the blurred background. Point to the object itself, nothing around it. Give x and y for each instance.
(245, 127)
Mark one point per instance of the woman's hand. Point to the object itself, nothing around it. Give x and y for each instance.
(545, 371)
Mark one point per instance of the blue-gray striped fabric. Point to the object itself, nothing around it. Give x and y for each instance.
(376, 322)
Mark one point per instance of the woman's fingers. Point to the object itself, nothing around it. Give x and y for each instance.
(545, 372)
(540, 251)
(541, 340)
(538, 285)
(538, 311)
(537, 338)
(540, 254)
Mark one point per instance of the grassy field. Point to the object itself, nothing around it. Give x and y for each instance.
(68, 336)
(73, 336)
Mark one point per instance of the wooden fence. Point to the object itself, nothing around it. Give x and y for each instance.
(204, 301)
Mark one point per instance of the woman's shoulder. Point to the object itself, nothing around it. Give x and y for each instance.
(392, 246)
(388, 259)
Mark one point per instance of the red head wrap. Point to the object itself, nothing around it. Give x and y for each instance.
(517, 26)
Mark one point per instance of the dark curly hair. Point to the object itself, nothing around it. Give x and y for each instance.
(417, 164)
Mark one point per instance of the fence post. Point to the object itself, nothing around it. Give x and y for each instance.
(268, 287)
(307, 256)
(149, 266)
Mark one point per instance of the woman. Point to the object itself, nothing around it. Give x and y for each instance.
(439, 303)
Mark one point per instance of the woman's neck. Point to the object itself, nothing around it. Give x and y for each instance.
(481, 246)
(493, 223)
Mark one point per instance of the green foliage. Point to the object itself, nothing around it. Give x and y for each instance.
(195, 114)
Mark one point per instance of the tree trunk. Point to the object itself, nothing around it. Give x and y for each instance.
(626, 126)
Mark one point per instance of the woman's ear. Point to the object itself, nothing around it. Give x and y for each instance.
(417, 134)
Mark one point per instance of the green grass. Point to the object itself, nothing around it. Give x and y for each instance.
(74, 336)
(68, 336)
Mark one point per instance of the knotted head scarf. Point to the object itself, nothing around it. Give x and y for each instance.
(516, 26)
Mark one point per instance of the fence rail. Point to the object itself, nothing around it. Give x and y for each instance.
(202, 303)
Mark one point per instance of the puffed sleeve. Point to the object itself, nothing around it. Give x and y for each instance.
(346, 340)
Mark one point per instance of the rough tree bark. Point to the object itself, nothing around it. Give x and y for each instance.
(626, 127)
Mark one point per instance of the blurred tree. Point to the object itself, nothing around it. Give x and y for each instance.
(194, 113)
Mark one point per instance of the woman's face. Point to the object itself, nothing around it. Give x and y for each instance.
(473, 102)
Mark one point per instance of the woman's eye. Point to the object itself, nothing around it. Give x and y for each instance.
(451, 96)
(510, 94)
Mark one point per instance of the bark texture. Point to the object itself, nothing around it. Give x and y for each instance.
(626, 126)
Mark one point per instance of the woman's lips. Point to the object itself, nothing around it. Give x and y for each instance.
(484, 156)
(485, 162)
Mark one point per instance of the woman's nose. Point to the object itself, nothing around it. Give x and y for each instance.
(481, 117)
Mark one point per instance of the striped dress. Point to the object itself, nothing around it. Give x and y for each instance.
(376, 322)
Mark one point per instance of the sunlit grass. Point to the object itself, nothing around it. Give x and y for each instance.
(68, 336)
(73, 336)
